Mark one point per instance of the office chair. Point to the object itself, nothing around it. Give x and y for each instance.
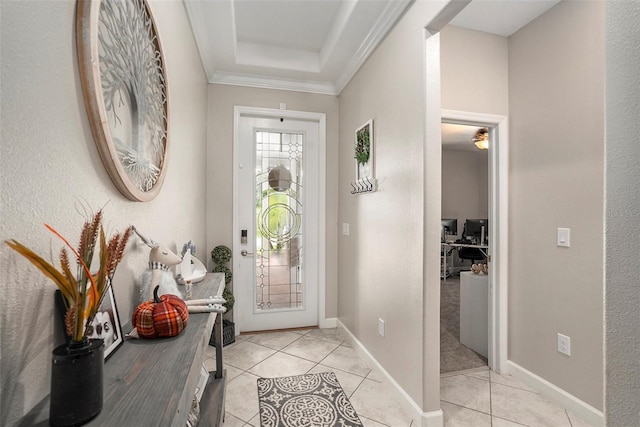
(472, 254)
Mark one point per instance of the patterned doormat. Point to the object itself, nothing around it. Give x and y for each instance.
(310, 400)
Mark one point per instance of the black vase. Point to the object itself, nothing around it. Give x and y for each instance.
(76, 382)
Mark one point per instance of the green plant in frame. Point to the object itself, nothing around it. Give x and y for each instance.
(363, 145)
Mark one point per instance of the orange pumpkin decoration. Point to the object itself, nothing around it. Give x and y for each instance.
(164, 316)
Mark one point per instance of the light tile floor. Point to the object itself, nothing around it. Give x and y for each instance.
(472, 398)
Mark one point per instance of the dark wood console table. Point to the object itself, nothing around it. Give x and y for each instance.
(153, 382)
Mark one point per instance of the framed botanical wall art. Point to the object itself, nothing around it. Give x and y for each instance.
(363, 151)
(124, 83)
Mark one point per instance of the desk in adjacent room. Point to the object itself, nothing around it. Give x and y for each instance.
(446, 246)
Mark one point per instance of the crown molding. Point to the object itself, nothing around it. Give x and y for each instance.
(323, 88)
(385, 22)
(339, 24)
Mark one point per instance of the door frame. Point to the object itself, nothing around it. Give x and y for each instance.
(320, 118)
(498, 232)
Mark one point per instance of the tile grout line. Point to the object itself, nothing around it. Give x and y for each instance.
(292, 355)
(496, 382)
(513, 422)
(465, 407)
(518, 388)
(303, 358)
(264, 346)
(490, 399)
(377, 422)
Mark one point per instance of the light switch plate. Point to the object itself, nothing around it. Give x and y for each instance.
(564, 237)
(381, 327)
(345, 229)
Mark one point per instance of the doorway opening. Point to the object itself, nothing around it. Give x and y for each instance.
(464, 248)
(496, 244)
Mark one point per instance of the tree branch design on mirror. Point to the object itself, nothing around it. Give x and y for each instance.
(125, 91)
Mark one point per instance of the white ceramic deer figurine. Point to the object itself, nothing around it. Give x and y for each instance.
(158, 273)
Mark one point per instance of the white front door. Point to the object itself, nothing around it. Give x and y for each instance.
(277, 201)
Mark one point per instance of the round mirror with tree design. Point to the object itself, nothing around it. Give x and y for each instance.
(125, 91)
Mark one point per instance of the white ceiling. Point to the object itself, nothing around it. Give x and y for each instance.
(458, 137)
(317, 45)
(307, 45)
(501, 17)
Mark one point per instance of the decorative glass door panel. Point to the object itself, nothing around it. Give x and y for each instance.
(279, 220)
(278, 240)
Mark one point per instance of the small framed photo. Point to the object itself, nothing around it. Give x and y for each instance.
(363, 152)
(106, 324)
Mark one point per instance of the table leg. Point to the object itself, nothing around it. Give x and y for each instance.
(217, 327)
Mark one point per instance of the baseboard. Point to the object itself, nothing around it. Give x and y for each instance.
(433, 419)
(331, 322)
(578, 407)
(427, 419)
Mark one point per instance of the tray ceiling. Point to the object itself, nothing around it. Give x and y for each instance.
(316, 45)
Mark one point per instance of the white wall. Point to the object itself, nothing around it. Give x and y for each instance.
(222, 99)
(475, 71)
(50, 167)
(622, 215)
(556, 109)
(465, 177)
(381, 270)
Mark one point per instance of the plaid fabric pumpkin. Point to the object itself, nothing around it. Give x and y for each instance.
(164, 316)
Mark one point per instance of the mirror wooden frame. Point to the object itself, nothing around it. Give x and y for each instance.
(123, 78)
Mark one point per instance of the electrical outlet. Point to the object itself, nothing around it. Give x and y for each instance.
(381, 327)
(564, 344)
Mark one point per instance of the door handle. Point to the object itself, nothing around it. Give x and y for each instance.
(245, 253)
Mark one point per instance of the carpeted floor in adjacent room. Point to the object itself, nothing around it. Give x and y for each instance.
(453, 355)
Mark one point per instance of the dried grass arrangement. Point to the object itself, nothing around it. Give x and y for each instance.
(84, 291)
